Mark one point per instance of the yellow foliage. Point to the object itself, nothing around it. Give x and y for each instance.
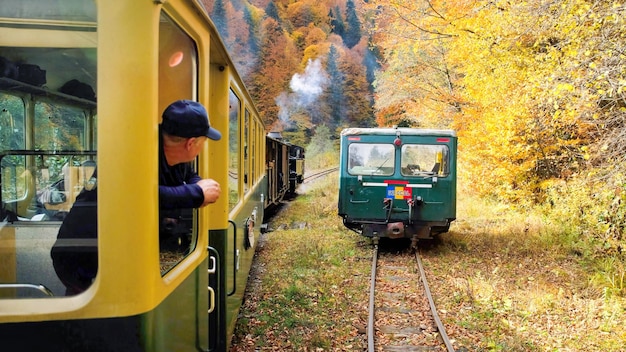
(525, 84)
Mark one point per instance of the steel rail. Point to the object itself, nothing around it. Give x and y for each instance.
(320, 174)
(370, 320)
(431, 302)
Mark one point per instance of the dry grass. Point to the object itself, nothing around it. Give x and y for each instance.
(503, 281)
(517, 285)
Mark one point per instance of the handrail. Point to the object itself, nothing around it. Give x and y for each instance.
(7, 84)
(45, 152)
(38, 287)
(234, 258)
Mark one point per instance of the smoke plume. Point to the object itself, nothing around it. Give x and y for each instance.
(305, 88)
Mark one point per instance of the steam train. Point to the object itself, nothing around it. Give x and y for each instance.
(83, 84)
(285, 169)
(397, 182)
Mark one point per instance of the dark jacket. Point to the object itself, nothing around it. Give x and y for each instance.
(75, 252)
(177, 184)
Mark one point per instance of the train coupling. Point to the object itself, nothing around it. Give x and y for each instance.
(414, 242)
(395, 230)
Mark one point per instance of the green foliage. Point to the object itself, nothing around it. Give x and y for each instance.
(336, 22)
(592, 217)
(352, 34)
(272, 11)
(335, 88)
(218, 15)
(323, 150)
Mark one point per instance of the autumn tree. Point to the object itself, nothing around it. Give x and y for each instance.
(218, 16)
(335, 88)
(305, 12)
(533, 87)
(289, 35)
(356, 95)
(336, 21)
(272, 11)
(417, 75)
(253, 25)
(277, 62)
(352, 34)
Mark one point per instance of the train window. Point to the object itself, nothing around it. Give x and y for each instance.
(178, 67)
(74, 10)
(48, 245)
(423, 159)
(59, 127)
(11, 122)
(252, 152)
(177, 63)
(246, 152)
(257, 169)
(233, 149)
(371, 159)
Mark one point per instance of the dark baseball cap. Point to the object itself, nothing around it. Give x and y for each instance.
(188, 118)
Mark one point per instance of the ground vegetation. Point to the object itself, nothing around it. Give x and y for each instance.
(535, 89)
(503, 280)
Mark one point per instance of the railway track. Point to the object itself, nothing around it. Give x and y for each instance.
(311, 177)
(402, 313)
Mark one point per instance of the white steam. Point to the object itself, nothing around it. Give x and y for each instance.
(305, 87)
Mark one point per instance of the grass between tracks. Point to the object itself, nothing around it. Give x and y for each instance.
(502, 281)
(309, 287)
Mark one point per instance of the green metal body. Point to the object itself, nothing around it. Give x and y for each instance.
(234, 249)
(397, 182)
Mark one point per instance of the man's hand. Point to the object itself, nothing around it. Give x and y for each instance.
(211, 190)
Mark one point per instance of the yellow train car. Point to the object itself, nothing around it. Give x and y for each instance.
(83, 84)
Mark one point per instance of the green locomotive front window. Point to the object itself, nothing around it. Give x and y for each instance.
(424, 160)
(371, 159)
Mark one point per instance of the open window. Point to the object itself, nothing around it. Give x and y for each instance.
(178, 71)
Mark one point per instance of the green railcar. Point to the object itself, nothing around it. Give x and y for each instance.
(397, 182)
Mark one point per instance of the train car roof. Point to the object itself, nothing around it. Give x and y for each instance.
(402, 130)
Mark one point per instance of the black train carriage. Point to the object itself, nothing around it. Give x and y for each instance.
(397, 182)
(284, 169)
(296, 167)
(277, 169)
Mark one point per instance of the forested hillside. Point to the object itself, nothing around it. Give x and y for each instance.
(307, 63)
(535, 90)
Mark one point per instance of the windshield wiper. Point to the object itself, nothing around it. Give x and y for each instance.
(381, 165)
